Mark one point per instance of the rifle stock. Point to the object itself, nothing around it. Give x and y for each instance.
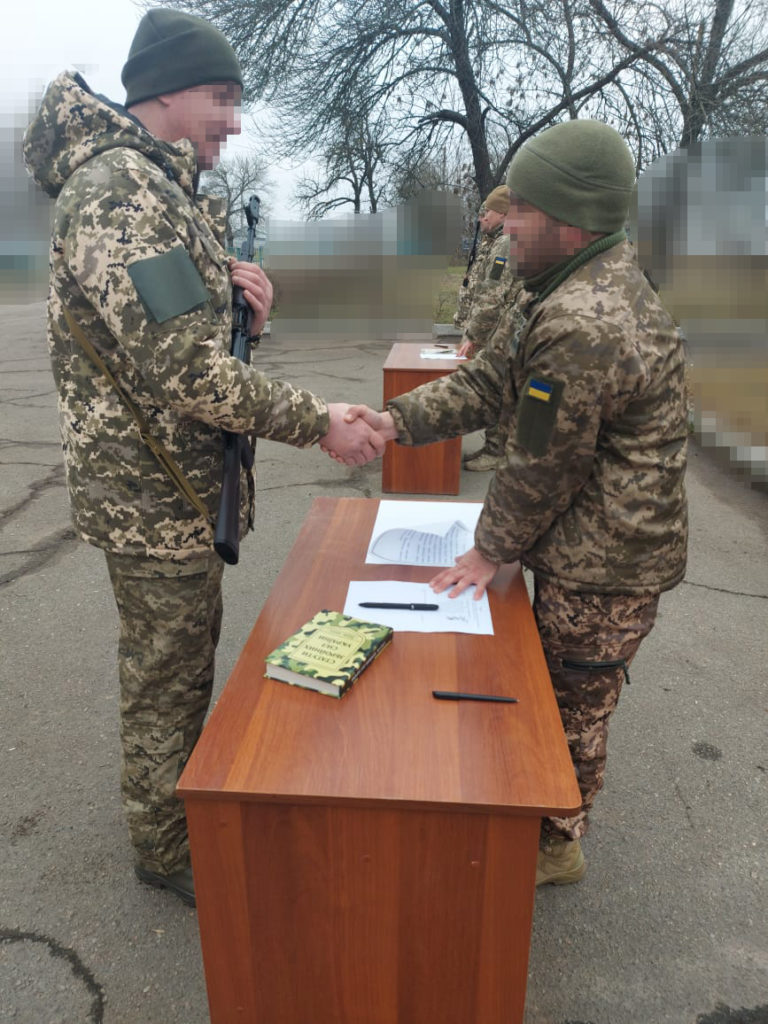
(237, 451)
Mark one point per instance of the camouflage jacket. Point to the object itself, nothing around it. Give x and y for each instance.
(474, 276)
(137, 262)
(590, 397)
(494, 293)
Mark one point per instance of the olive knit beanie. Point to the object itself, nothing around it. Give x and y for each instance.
(579, 172)
(173, 51)
(497, 200)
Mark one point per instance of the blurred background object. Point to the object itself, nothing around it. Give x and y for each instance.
(702, 235)
(25, 211)
(363, 275)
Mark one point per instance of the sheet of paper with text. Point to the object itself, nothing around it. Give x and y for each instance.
(422, 532)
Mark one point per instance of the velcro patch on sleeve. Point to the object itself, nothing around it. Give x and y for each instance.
(537, 413)
(497, 267)
(169, 284)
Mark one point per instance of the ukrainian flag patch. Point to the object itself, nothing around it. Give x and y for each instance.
(539, 389)
(497, 268)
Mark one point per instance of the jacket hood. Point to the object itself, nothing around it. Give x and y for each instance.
(73, 125)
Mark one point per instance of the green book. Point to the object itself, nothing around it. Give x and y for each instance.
(328, 653)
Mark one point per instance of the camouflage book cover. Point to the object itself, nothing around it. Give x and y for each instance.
(328, 653)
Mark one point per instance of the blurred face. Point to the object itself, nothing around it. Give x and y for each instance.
(205, 115)
(537, 241)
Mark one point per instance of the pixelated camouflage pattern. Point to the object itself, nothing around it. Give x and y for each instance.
(170, 618)
(492, 295)
(475, 275)
(585, 629)
(603, 508)
(124, 196)
(504, 338)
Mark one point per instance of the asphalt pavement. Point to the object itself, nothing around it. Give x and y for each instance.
(670, 925)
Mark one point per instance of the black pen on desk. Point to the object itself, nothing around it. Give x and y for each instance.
(489, 698)
(404, 607)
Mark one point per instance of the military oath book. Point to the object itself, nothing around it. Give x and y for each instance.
(328, 653)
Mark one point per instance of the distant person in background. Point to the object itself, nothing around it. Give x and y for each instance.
(486, 302)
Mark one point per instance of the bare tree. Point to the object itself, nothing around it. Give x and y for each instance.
(494, 72)
(353, 153)
(488, 75)
(235, 181)
(710, 75)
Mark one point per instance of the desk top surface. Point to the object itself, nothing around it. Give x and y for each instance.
(387, 739)
(406, 355)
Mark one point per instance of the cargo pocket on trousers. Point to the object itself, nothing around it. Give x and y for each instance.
(597, 666)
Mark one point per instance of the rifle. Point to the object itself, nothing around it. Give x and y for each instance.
(237, 450)
(472, 253)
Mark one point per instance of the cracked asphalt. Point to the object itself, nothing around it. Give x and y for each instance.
(670, 925)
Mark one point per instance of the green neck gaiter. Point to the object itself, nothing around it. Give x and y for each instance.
(544, 284)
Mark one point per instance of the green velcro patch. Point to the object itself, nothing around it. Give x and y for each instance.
(537, 412)
(168, 285)
(498, 266)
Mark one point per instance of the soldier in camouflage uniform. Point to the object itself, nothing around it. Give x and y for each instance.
(490, 220)
(591, 400)
(138, 270)
(494, 289)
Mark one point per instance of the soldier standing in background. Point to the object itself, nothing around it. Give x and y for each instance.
(490, 220)
(141, 289)
(590, 396)
(488, 299)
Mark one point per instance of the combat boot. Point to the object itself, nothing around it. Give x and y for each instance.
(180, 883)
(560, 862)
(483, 462)
(468, 456)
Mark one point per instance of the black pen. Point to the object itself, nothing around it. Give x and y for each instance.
(489, 697)
(404, 607)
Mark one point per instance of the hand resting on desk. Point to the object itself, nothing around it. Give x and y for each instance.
(471, 568)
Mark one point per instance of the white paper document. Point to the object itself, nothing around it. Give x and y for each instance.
(441, 353)
(460, 614)
(422, 532)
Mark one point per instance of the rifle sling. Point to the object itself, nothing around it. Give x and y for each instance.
(163, 456)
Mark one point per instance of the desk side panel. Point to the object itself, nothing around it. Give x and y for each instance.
(386, 917)
(428, 469)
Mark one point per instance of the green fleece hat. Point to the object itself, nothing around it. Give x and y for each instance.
(173, 51)
(579, 172)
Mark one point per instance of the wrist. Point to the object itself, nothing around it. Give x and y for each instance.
(388, 429)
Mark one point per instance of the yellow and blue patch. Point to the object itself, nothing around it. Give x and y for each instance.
(539, 389)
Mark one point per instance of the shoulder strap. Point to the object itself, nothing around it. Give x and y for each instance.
(161, 453)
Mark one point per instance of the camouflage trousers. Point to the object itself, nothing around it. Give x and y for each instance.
(589, 641)
(495, 440)
(170, 619)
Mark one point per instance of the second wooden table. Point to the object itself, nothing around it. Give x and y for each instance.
(432, 468)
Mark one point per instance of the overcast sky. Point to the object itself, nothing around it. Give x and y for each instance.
(43, 37)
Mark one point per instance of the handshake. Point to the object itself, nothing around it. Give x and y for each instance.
(357, 433)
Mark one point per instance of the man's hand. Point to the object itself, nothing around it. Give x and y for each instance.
(471, 567)
(257, 291)
(351, 441)
(466, 348)
(381, 422)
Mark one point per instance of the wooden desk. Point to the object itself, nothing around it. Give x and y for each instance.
(432, 468)
(372, 860)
